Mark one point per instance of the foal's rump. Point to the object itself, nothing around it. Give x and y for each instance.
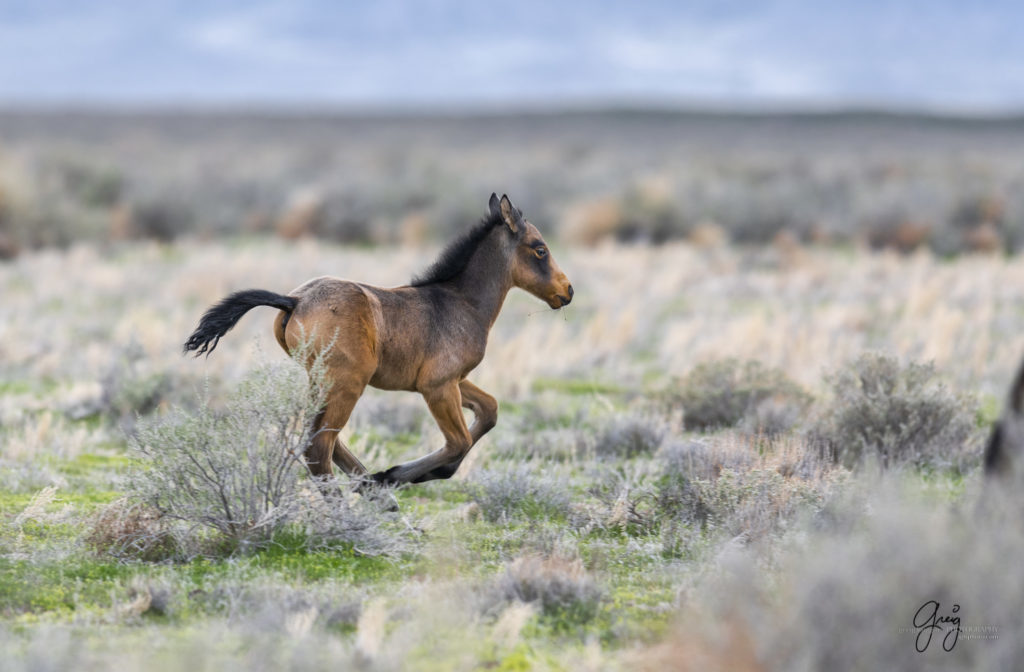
(331, 311)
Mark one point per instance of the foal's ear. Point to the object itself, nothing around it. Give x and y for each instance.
(510, 214)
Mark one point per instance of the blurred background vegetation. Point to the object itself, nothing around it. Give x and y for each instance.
(884, 180)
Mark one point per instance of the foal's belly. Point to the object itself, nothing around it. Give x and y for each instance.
(423, 367)
(400, 358)
(392, 380)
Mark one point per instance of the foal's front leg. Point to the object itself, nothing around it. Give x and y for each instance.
(485, 417)
(445, 403)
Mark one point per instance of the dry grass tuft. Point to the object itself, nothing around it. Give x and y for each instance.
(132, 530)
(557, 585)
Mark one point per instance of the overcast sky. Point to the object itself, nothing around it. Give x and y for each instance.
(942, 54)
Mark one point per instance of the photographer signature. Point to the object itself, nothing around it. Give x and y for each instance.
(927, 620)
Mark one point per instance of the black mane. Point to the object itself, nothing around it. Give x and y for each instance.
(454, 258)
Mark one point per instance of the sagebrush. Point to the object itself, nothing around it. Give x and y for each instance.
(897, 413)
(235, 478)
(723, 393)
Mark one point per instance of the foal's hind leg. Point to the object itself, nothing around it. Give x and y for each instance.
(485, 417)
(326, 446)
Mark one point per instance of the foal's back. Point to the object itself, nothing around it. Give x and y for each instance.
(397, 339)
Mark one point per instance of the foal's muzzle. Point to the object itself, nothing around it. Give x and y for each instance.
(564, 300)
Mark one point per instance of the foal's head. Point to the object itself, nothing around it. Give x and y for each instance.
(532, 266)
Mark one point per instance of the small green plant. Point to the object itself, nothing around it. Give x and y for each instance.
(726, 392)
(896, 414)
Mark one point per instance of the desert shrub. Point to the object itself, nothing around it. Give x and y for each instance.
(129, 388)
(562, 444)
(649, 217)
(896, 414)
(559, 586)
(516, 492)
(685, 465)
(131, 530)
(162, 218)
(24, 442)
(234, 471)
(347, 219)
(733, 489)
(93, 185)
(629, 436)
(235, 479)
(725, 392)
(774, 416)
(756, 501)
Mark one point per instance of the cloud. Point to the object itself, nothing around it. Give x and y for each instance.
(258, 34)
(400, 51)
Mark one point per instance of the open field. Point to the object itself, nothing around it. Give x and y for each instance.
(642, 504)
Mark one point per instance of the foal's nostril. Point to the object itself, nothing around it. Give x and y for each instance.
(570, 292)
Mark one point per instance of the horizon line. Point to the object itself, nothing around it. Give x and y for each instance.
(499, 109)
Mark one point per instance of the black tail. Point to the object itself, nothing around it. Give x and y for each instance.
(219, 318)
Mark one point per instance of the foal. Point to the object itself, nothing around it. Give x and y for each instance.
(424, 337)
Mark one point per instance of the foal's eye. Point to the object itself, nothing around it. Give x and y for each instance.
(540, 251)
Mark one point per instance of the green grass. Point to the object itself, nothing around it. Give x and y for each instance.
(341, 564)
(577, 387)
(58, 589)
(12, 387)
(87, 464)
(13, 503)
(39, 386)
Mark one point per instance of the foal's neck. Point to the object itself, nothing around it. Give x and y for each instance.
(485, 281)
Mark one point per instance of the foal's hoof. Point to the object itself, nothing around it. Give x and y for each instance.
(386, 477)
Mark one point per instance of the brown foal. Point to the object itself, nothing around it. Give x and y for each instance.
(424, 337)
